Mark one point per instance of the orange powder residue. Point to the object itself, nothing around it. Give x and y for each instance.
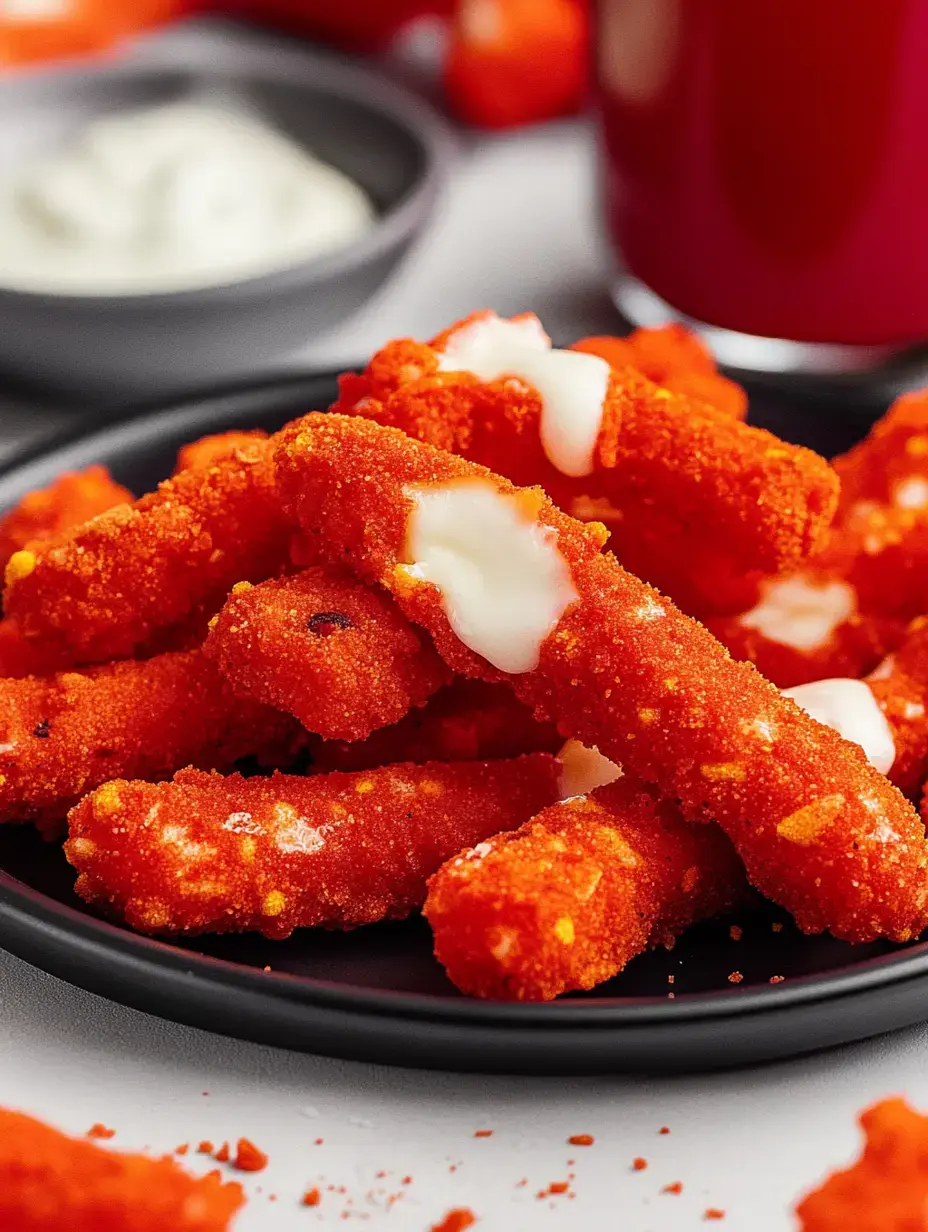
(581, 1140)
(100, 1131)
(312, 1197)
(248, 1158)
(456, 1221)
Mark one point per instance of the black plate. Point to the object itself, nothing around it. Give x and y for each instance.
(377, 994)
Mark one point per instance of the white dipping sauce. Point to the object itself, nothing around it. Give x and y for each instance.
(802, 614)
(170, 199)
(504, 584)
(850, 708)
(572, 385)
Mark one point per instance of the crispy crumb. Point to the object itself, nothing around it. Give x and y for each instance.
(100, 1131)
(581, 1140)
(713, 1212)
(736, 932)
(776, 927)
(458, 1220)
(676, 1187)
(205, 1147)
(312, 1197)
(664, 1129)
(483, 1133)
(222, 1155)
(777, 979)
(639, 1164)
(182, 1149)
(248, 1157)
(735, 978)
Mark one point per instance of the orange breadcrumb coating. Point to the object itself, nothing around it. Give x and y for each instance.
(20, 657)
(468, 720)
(73, 498)
(62, 735)
(211, 450)
(900, 686)
(335, 653)
(104, 588)
(569, 899)
(887, 1189)
(882, 467)
(625, 672)
(211, 854)
(675, 358)
(52, 1183)
(662, 463)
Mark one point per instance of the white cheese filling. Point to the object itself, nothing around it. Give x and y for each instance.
(850, 708)
(583, 769)
(504, 584)
(572, 385)
(802, 614)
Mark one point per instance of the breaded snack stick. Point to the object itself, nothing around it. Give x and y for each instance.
(571, 897)
(886, 1190)
(890, 465)
(211, 854)
(324, 647)
(900, 686)
(62, 735)
(494, 392)
(19, 657)
(511, 587)
(52, 1183)
(675, 358)
(73, 498)
(468, 720)
(210, 450)
(104, 588)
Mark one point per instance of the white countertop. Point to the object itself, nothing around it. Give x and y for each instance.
(513, 233)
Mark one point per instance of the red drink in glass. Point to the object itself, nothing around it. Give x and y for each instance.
(766, 162)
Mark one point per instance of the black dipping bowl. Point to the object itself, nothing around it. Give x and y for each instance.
(377, 994)
(379, 134)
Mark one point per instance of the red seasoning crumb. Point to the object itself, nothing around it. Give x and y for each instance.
(456, 1221)
(777, 927)
(182, 1149)
(735, 978)
(735, 932)
(675, 1188)
(248, 1158)
(222, 1155)
(407, 1180)
(312, 1197)
(581, 1140)
(777, 979)
(100, 1131)
(483, 1133)
(318, 1141)
(639, 1164)
(714, 1213)
(664, 1129)
(205, 1147)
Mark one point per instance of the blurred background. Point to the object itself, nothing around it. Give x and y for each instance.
(199, 193)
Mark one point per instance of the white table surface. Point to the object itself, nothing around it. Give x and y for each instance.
(514, 232)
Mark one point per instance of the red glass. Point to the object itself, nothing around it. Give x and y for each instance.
(766, 161)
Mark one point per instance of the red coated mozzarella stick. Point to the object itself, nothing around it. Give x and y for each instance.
(820, 831)
(566, 901)
(469, 720)
(52, 1183)
(104, 588)
(62, 735)
(211, 854)
(335, 653)
(600, 440)
(900, 686)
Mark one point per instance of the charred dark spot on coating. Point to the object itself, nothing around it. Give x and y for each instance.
(42, 730)
(324, 624)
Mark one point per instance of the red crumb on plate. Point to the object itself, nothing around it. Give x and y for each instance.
(100, 1131)
(248, 1157)
(581, 1140)
(312, 1197)
(458, 1220)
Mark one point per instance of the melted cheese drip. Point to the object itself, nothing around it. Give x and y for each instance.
(802, 614)
(572, 385)
(583, 769)
(504, 583)
(850, 708)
